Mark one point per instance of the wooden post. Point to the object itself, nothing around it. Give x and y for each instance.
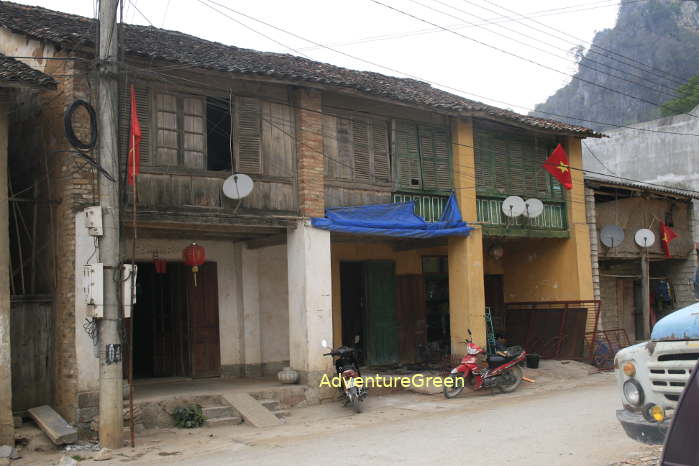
(7, 426)
(645, 293)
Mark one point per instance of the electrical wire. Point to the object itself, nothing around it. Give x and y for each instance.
(520, 57)
(445, 86)
(659, 73)
(582, 63)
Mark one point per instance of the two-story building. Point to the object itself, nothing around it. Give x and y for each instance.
(312, 136)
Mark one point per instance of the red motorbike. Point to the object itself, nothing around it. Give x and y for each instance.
(502, 370)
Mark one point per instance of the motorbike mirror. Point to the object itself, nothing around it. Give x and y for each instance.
(356, 338)
(469, 332)
(324, 343)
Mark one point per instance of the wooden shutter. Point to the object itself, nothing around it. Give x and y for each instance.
(519, 184)
(248, 147)
(500, 164)
(407, 167)
(143, 109)
(442, 163)
(381, 160)
(485, 173)
(194, 135)
(360, 145)
(167, 144)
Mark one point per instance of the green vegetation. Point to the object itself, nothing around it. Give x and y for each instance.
(687, 100)
(190, 417)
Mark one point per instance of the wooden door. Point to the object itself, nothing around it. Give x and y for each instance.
(382, 347)
(411, 315)
(626, 309)
(202, 304)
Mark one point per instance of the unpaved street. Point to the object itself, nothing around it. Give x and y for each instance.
(571, 426)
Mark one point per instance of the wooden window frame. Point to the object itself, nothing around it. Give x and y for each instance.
(420, 129)
(180, 130)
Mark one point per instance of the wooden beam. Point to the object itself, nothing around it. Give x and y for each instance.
(410, 245)
(267, 241)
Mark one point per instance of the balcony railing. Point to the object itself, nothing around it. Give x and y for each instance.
(428, 207)
(553, 219)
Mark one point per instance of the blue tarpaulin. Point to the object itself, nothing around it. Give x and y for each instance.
(398, 220)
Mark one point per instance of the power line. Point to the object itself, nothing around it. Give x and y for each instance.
(445, 86)
(528, 60)
(665, 74)
(500, 19)
(583, 63)
(254, 30)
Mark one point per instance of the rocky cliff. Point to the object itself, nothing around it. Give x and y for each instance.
(653, 48)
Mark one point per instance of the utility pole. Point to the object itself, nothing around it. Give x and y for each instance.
(110, 345)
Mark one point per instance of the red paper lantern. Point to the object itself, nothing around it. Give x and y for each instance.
(194, 256)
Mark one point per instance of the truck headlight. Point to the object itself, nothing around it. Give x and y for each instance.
(633, 392)
(629, 369)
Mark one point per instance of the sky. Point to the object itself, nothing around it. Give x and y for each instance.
(467, 47)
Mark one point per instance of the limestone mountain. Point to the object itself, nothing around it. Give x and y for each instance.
(652, 50)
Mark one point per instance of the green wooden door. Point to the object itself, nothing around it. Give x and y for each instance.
(382, 344)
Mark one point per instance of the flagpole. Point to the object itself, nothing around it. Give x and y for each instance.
(133, 288)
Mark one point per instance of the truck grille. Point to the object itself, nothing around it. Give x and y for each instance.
(669, 374)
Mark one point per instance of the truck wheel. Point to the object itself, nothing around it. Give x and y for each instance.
(514, 378)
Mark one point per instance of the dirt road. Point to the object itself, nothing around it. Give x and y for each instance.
(573, 426)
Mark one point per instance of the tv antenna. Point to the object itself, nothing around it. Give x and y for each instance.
(513, 206)
(611, 235)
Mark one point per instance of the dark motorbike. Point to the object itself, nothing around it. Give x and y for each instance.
(347, 368)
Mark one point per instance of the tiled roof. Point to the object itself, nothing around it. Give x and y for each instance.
(601, 180)
(176, 47)
(17, 73)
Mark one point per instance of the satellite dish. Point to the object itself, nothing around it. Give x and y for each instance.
(533, 208)
(644, 238)
(513, 206)
(237, 186)
(611, 235)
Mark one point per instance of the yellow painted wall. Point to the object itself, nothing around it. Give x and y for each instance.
(407, 263)
(466, 263)
(554, 269)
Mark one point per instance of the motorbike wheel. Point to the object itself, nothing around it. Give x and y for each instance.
(354, 398)
(451, 392)
(516, 373)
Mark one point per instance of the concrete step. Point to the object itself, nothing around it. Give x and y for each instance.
(281, 413)
(216, 412)
(223, 421)
(272, 405)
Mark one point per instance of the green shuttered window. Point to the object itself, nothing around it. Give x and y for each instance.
(422, 157)
(509, 164)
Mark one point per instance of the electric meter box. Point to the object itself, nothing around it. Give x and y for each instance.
(93, 290)
(128, 291)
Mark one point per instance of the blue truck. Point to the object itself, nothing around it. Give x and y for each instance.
(652, 375)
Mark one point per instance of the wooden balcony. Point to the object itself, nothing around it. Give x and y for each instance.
(552, 223)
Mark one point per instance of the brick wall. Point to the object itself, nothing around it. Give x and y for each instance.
(41, 140)
(309, 150)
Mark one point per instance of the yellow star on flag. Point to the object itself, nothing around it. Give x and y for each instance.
(562, 167)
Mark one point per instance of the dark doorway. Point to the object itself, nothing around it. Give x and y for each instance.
(353, 299)
(495, 300)
(174, 322)
(435, 270)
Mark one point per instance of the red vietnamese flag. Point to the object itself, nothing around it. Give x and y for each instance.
(557, 165)
(134, 161)
(666, 235)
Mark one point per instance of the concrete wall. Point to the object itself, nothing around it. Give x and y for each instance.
(554, 269)
(664, 158)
